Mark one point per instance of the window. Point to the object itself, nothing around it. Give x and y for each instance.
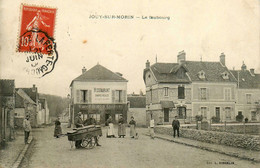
(117, 117)
(181, 92)
(118, 96)
(181, 112)
(201, 75)
(227, 94)
(248, 98)
(97, 117)
(204, 112)
(166, 91)
(203, 93)
(225, 75)
(228, 113)
(151, 95)
(253, 115)
(84, 96)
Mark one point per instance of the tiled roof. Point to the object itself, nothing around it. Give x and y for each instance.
(213, 71)
(33, 94)
(166, 72)
(137, 101)
(246, 80)
(100, 73)
(21, 93)
(7, 87)
(162, 73)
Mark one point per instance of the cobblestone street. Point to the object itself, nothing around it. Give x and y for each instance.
(48, 151)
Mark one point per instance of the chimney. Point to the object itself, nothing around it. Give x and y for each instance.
(181, 57)
(243, 67)
(252, 71)
(34, 88)
(84, 70)
(147, 64)
(119, 74)
(222, 59)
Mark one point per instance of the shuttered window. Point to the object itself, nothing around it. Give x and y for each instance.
(181, 92)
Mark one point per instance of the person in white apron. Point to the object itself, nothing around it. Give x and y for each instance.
(110, 129)
(132, 124)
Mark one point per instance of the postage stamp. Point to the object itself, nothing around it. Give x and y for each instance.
(36, 39)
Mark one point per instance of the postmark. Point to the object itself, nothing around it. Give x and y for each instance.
(36, 39)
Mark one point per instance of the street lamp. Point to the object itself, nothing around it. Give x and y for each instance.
(69, 124)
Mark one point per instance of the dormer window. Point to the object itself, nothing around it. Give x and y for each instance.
(225, 75)
(201, 75)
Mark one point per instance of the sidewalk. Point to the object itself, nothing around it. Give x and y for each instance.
(12, 154)
(227, 150)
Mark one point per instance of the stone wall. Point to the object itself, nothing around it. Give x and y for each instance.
(251, 142)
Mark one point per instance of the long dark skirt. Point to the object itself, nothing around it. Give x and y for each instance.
(57, 131)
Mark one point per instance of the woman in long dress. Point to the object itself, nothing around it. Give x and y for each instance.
(121, 127)
(110, 129)
(132, 124)
(57, 130)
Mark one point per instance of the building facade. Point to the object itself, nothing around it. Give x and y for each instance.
(248, 93)
(100, 92)
(7, 101)
(189, 88)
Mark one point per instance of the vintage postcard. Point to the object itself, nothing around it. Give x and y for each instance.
(130, 83)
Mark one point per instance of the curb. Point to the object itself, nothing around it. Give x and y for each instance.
(20, 158)
(209, 149)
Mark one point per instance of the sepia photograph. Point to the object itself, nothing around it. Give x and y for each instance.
(130, 84)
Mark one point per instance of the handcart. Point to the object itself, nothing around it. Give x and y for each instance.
(86, 135)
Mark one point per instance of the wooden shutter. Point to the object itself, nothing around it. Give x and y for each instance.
(113, 96)
(77, 95)
(89, 96)
(124, 96)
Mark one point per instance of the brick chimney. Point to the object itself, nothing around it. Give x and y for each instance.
(84, 70)
(252, 71)
(222, 59)
(34, 88)
(147, 64)
(181, 57)
(243, 67)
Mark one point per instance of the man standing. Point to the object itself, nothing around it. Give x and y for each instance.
(27, 128)
(78, 123)
(176, 126)
(92, 121)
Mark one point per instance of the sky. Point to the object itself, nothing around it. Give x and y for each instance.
(202, 28)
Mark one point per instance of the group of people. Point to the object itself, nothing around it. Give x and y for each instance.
(121, 127)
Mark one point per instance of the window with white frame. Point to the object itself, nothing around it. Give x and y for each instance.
(166, 91)
(203, 93)
(248, 98)
(227, 93)
(204, 112)
(228, 113)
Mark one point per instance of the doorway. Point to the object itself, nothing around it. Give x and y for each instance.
(166, 114)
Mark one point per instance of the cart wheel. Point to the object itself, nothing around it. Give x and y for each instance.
(88, 142)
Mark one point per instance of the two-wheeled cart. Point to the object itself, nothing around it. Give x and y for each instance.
(86, 135)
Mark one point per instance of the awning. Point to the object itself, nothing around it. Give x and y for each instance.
(167, 104)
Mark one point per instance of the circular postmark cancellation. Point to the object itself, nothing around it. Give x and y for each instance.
(36, 43)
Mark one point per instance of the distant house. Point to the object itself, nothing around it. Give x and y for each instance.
(100, 92)
(248, 93)
(43, 114)
(33, 111)
(7, 101)
(24, 105)
(137, 109)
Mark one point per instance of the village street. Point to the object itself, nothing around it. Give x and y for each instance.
(47, 151)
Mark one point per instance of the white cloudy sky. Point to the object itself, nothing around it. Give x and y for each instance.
(200, 27)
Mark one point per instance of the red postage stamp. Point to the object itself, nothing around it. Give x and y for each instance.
(36, 39)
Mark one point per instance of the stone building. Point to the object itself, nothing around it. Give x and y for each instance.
(7, 101)
(137, 109)
(100, 92)
(189, 88)
(248, 93)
